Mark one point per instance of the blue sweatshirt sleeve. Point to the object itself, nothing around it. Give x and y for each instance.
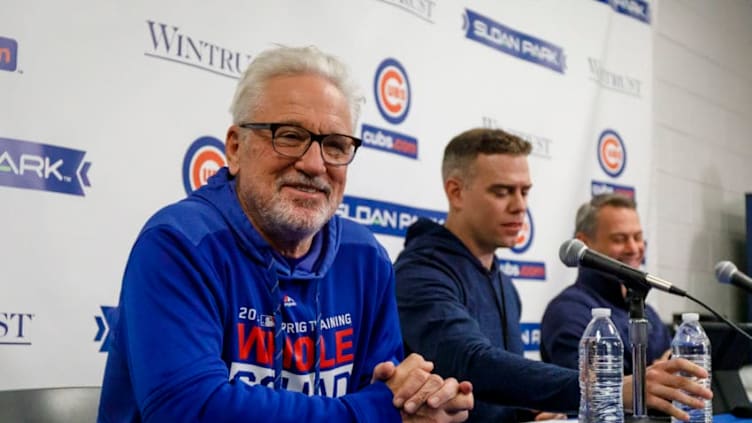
(171, 324)
(436, 323)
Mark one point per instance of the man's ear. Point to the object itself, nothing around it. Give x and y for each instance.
(453, 188)
(232, 149)
(582, 237)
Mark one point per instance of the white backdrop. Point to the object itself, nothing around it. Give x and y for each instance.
(104, 101)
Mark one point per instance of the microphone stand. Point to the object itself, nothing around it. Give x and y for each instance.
(638, 339)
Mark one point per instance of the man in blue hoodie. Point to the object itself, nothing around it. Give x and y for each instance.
(458, 310)
(608, 224)
(250, 300)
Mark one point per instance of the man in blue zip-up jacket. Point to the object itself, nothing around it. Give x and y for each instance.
(458, 310)
(249, 300)
(608, 224)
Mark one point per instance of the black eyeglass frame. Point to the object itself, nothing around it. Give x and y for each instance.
(319, 138)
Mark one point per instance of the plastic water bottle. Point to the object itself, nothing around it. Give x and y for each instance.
(692, 343)
(601, 370)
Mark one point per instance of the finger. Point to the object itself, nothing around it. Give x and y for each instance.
(665, 376)
(549, 416)
(459, 403)
(430, 385)
(416, 360)
(446, 392)
(466, 387)
(676, 365)
(458, 417)
(383, 371)
(407, 386)
(660, 404)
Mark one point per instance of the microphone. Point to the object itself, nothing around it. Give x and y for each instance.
(574, 252)
(726, 272)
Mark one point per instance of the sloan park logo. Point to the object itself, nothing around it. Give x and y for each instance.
(30, 165)
(637, 9)
(509, 41)
(385, 218)
(168, 42)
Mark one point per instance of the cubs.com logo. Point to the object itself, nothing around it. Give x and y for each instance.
(612, 156)
(204, 158)
(392, 91)
(525, 237)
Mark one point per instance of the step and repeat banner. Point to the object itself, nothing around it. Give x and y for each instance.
(114, 109)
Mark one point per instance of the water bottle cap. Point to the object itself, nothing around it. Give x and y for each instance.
(690, 317)
(601, 312)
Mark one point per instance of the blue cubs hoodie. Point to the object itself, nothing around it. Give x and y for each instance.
(215, 326)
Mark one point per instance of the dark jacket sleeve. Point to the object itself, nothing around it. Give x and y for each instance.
(561, 329)
(436, 324)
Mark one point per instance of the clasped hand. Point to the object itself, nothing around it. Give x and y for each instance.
(424, 397)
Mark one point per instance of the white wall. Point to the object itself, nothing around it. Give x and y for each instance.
(702, 148)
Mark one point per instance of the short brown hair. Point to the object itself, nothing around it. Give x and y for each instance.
(465, 147)
(587, 215)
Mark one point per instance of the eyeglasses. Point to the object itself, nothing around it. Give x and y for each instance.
(293, 141)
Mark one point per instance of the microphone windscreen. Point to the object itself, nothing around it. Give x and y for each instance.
(724, 270)
(571, 251)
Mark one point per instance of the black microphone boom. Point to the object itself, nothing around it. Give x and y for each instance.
(574, 252)
(726, 272)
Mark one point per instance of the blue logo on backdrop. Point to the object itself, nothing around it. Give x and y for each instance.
(516, 269)
(391, 89)
(25, 164)
(8, 54)
(14, 328)
(638, 9)
(531, 336)
(105, 322)
(385, 218)
(612, 154)
(205, 156)
(525, 237)
(389, 141)
(515, 43)
(598, 187)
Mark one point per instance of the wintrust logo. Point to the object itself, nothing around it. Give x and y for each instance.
(391, 89)
(614, 81)
(8, 54)
(420, 8)
(169, 42)
(612, 155)
(541, 144)
(30, 165)
(14, 328)
(203, 159)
